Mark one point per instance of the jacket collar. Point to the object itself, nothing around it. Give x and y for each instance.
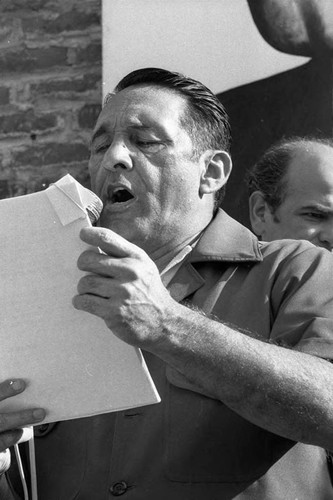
(223, 240)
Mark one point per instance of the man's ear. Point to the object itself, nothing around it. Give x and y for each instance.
(258, 212)
(216, 171)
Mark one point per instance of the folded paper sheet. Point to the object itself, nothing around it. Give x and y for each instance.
(73, 364)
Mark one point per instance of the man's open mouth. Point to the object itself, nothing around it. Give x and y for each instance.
(119, 195)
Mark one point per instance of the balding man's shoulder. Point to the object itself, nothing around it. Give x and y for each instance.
(302, 251)
(287, 245)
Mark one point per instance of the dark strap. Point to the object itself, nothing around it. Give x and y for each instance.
(329, 458)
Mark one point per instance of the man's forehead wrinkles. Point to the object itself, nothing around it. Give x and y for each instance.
(129, 115)
(131, 124)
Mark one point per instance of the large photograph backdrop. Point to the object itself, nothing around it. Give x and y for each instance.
(267, 93)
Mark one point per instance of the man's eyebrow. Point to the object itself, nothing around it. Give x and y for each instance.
(318, 207)
(141, 126)
(154, 128)
(135, 126)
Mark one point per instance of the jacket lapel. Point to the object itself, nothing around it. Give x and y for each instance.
(224, 240)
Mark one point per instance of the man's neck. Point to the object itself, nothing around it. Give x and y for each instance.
(187, 233)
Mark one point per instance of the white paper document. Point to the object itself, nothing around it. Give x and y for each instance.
(73, 364)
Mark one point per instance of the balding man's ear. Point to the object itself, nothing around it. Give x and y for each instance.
(257, 212)
(216, 171)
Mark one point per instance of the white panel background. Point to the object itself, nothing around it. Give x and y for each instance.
(215, 41)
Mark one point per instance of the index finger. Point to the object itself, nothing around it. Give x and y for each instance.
(109, 242)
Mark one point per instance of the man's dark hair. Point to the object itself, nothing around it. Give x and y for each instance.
(268, 175)
(205, 118)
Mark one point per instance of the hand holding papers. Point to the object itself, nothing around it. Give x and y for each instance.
(72, 363)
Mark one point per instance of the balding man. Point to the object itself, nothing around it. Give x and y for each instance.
(291, 192)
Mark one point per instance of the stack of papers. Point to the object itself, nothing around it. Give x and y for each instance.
(73, 364)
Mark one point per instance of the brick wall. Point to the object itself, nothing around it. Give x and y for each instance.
(50, 90)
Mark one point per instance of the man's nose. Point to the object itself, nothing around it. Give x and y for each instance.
(325, 236)
(117, 157)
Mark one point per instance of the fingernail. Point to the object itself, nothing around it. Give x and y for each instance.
(38, 414)
(17, 385)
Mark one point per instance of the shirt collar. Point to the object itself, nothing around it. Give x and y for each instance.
(174, 264)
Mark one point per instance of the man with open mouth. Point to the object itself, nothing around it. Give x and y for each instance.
(237, 333)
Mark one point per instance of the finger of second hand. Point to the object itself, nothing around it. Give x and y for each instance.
(21, 418)
(10, 388)
(9, 438)
(4, 461)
